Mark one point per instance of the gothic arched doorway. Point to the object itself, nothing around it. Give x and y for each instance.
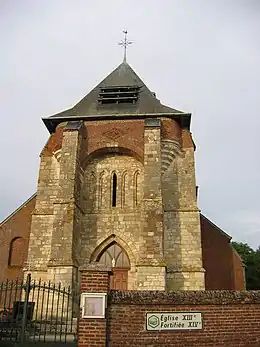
(115, 256)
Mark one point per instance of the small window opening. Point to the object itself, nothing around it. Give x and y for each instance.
(136, 189)
(119, 95)
(114, 186)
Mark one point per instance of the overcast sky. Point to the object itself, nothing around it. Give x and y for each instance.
(200, 56)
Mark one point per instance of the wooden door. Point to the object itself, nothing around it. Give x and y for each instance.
(119, 279)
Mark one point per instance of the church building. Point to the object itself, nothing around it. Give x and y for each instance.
(117, 186)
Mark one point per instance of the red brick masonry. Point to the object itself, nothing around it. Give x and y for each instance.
(91, 331)
(229, 318)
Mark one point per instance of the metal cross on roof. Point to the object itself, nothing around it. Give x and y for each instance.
(125, 43)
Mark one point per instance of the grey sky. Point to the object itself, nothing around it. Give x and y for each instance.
(199, 56)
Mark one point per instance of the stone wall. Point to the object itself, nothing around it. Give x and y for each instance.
(43, 213)
(182, 237)
(216, 247)
(104, 223)
(155, 218)
(151, 269)
(52, 254)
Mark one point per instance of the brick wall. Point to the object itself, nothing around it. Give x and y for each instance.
(229, 318)
(126, 134)
(16, 228)
(170, 129)
(93, 331)
(239, 279)
(224, 269)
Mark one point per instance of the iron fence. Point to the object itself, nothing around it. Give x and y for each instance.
(35, 311)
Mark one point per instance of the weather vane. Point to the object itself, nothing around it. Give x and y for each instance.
(125, 43)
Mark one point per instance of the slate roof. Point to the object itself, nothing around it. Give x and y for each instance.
(123, 75)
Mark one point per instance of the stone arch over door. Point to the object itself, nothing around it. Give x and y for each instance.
(123, 266)
(103, 243)
(115, 256)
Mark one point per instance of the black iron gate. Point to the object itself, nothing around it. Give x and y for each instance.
(37, 312)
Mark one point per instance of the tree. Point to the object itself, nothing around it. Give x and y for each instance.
(251, 260)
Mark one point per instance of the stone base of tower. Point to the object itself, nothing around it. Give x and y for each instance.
(150, 278)
(67, 276)
(185, 280)
(37, 275)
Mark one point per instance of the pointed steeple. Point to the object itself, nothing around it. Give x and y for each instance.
(121, 94)
(121, 82)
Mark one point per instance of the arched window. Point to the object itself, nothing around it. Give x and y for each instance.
(92, 190)
(16, 252)
(114, 188)
(101, 189)
(136, 188)
(124, 188)
(114, 256)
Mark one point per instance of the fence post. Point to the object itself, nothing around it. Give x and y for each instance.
(25, 309)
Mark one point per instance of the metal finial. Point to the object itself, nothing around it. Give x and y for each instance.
(125, 43)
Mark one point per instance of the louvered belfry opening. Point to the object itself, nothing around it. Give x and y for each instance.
(119, 95)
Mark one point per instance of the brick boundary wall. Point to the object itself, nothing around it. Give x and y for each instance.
(230, 318)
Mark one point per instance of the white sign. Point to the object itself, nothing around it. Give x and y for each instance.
(93, 305)
(174, 321)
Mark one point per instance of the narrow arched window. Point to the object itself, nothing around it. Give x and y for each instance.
(101, 190)
(114, 187)
(92, 191)
(136, 188)
(124, 189)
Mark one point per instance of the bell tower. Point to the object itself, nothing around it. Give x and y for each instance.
(117, 186)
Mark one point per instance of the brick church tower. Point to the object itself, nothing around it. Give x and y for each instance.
(117, 186)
